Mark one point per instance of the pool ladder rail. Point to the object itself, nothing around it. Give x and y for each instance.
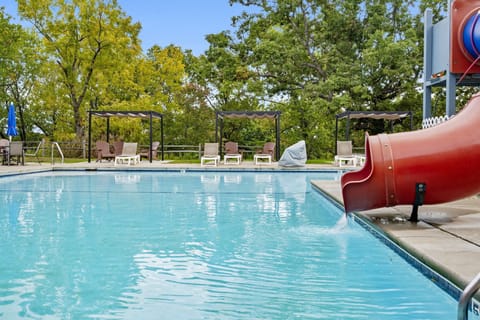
(55, 144)
(466, 297)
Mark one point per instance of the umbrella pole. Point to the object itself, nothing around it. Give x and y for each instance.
(8, 151)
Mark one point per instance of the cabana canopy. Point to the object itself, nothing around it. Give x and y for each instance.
(220, 115)
(385, 115)
(150, 115)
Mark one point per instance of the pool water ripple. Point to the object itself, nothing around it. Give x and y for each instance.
(196, 246)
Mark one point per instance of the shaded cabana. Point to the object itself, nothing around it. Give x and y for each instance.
(391, 116)
(150, 115)
(220, 115)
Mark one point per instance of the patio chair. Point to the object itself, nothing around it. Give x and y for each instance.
(265, 154)
(118, 147)
(210, 155)
(231, 152)
(4, 143)
(15, 151)
(4, 150)
(129, 154)
(345, 154)
(146, 153)
(103, 151)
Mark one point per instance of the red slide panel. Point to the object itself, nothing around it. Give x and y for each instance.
(446, 158)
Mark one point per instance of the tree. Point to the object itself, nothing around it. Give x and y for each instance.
(320, 57)
(19, 68)
(82, 37)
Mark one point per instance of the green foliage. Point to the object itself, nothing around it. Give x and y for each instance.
(309, 59)
(19, 69)
(320, 58)
(83, 37)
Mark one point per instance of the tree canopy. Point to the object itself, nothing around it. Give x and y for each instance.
(309, 59)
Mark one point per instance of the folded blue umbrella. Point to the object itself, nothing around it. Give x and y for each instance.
(12, 122)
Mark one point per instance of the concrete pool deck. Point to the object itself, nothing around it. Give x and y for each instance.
(447, 237)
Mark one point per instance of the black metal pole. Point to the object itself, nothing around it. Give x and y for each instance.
(277, 124)
(161, 130)
(336, 135)
(216, 126)
(151, 138)
(221, 136)
(347, 129)
(89, 134)
(108, 129)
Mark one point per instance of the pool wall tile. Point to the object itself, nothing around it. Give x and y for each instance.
(427, 271)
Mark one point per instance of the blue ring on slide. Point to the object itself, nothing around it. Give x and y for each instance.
(471, 36)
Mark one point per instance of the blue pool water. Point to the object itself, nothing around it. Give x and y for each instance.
(196, 245)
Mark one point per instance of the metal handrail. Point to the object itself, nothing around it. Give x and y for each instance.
(59, 150)
(466, 296)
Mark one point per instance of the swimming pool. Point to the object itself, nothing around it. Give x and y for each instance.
(196, 245)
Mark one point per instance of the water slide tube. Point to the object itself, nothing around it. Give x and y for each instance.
(446, 158)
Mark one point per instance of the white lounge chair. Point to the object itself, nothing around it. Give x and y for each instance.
(210, 155)
(129, 154)
(345, 156)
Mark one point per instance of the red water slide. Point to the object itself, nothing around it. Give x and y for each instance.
(445, 159)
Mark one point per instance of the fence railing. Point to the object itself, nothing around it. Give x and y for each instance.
(69, 149)
(433, 121)
(181, 150)
(75, 149)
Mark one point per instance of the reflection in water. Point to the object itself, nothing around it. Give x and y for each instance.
(127, 179)
(263, 178)
(210, 179)
(211, 207)
(232, 179)
(13, 206)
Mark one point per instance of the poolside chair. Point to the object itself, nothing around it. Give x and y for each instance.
(4, 150)
(265, 154)
(4, 143)
(103, 151)
(231, 153)
(15, 151)
(210, 155)
(146, 153)
(129, 154)
(345, 154)
(118, 147)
